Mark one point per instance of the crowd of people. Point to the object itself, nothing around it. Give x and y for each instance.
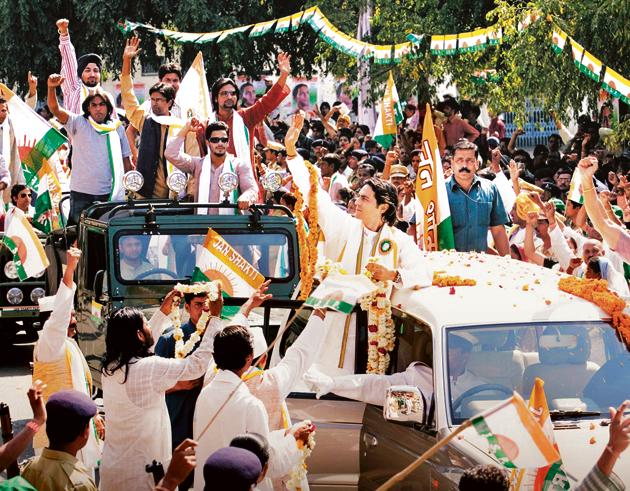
(217, 411)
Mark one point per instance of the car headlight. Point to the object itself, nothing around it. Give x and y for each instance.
(39, 275)
(36, 294)
(15, 296)
(10, 270)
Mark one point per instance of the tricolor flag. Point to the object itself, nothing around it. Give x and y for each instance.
(436, 226)
(194, 97)
(217, 260)
(616, 85)
(401, 50)
(559, 40)
(437, 44)
(577, 50)
(551, 476)
(516, 439)
(591, 66)
(494, 35)
(450, 44)
(383, 54)
(229, 32)
(283, 24)
(575, 194)
(37, 142)
(472, 41)
(389, 117)
(28, 254)
(44, 216)
(261, 28)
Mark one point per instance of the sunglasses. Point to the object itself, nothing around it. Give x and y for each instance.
(24, 195)
(227, 93)
(218, 139)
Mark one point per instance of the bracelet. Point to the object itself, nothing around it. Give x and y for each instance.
(291, 156)
(588, 189)
(33, 426)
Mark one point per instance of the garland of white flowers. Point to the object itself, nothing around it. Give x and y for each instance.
(182, 350)
(381, 335)
(298, 474)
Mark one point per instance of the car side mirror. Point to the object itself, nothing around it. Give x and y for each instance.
(404, 403)
(99, 280)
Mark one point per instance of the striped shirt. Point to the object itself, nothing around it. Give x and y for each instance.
(596, 480)
(72, 87)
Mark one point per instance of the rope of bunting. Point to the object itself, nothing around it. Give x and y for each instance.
(440, 44)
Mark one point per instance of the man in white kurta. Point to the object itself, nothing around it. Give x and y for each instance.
(138, 426)
(242, 413)
(59, 363)
(350, 242)
(274, 385)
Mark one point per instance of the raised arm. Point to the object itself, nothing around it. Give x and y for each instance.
(175, 154)
(135, 114)
(58, 112)
(68, 62)
(51, 344)
(31, 98)
(331, 218)
(531, 253)
(256, 114)
(596, 212)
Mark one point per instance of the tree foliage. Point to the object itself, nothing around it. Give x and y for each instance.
(525, 63)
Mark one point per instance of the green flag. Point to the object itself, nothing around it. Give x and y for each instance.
(228, 311)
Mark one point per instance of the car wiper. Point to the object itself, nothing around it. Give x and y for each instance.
(576, 414)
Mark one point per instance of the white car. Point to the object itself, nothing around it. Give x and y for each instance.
(519, 326)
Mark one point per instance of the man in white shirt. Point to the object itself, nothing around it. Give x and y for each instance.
(334, 180)
(226, 408)
(134, 387)
(59, 363)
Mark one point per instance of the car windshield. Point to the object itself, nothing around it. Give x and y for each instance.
(583, 367)
(173, 256)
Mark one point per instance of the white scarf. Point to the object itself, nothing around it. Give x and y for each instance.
(240, 136)
(204, 184)
(174, 124)
(114, 154)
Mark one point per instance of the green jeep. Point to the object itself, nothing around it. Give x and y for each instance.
(134, 252)
(19, 307)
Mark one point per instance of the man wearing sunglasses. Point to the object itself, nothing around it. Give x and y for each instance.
(21, 201)
(242, 122)
(207, 171)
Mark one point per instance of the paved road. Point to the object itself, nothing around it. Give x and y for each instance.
(15, 379)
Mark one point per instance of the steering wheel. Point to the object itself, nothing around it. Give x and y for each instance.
(480, 388)
(168, 272)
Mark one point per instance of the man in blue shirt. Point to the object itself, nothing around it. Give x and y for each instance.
(475, 204)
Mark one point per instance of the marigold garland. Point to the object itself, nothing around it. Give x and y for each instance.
(307, 241)
(381, 334)
(298, 474)
(597, 292)
(443, 280)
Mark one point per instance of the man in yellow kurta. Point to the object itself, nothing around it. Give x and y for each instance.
(59, 363)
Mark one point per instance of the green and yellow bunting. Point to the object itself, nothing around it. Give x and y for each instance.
(616, 85)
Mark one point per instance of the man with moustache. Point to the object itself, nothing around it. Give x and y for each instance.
(475, 204)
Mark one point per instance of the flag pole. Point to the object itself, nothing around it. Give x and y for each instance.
(423, 458)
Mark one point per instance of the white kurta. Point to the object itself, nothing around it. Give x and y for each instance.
(345, 236)
(138, 426)
(51, 347)
(243, 413)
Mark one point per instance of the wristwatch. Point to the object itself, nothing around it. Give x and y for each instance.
(397, 278)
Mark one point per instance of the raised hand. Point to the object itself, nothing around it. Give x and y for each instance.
(293, 133)
(36, 400)
(588, 166)
(55, 80)
(257, 298)
(32, 83)
(515, 172)
(167, 304)
(217, 305)
(62, 26)
(73, 255)
(132, 48)
(284, 62)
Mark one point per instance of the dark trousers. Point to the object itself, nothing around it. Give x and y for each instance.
(81, 201)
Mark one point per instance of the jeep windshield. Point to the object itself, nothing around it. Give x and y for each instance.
(583, 367)
(169, 256)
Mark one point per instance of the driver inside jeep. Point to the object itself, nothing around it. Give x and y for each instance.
(132, 258)
(372, 388)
